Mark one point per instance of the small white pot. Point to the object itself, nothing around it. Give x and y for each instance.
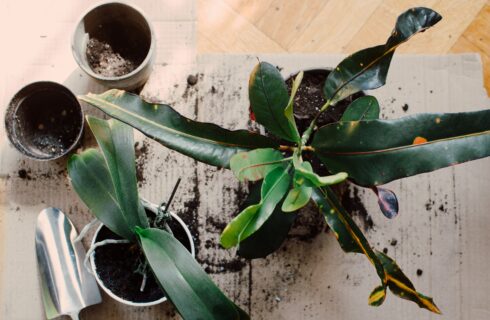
(152, 207)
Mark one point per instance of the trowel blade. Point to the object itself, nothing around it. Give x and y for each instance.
(66, 286)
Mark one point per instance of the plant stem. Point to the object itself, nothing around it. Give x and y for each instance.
(292, 149)
(306, 135)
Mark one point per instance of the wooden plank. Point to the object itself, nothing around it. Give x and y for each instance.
(252, 10)
(286, 20)
(332, 29)
(476, 39)
(219, 22)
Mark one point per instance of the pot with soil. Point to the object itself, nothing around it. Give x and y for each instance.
(44, 121)
(114, 43)
(308, 100)
(117, 267)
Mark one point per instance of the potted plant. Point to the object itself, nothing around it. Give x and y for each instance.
(357, 146)
(145, 242)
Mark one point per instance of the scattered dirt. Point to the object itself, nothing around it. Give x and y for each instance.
(393, 242)
(352, 202)
(192, 79)
(142, 153)
(189, 214)
(419, 272)
(23, 174)
(405, 107)
(117, 266)
(104, 61)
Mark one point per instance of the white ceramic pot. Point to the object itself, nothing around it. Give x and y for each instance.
(153, 208)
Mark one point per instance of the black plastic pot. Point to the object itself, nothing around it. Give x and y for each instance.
(127, 31)
(44, 120)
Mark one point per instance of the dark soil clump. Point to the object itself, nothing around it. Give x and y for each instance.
(352, 202)
(104, 61)
(141, 153)
(309, 99)
(117, 266)
(308, 102)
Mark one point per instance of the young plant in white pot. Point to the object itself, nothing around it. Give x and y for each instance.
(151, 245)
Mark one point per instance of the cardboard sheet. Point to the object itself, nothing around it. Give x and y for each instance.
(442, 228)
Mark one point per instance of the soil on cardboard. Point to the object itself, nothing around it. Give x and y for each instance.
(117, 265)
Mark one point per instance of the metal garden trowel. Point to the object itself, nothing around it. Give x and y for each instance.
(66, 286)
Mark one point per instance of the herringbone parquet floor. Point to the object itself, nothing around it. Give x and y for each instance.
(338, 26)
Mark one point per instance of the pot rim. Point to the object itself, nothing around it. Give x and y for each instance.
(16, 105)
(153, 207)
(141, 66)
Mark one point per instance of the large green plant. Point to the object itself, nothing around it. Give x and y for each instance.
(106, 182)
(360, 146)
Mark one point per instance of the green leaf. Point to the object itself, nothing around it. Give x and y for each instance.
(275, 186)
(367, 69)
(401, 286)
(256, 164)
(363, 108)
(297, 198)
(269, 237)
(348, 234)
(375, 152)
(115, 139)
(91, 180)
(305, 170)
(289, 109)
(377, 297)
(351, 239)
(187, 286)
(269, 98)
(204, 142)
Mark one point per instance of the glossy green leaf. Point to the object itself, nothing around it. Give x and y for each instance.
(185, 283)
(289, 112)
(116, 142)
(363, 108)
(377, 297)
(378, 151)
(269, 237)
(269, 98)
(401, 286)
(91, 180)
(274, 187)
(204, 142)
(297, 198)
(305, 170)
(256, 164)
(367, 69)
(351, 239)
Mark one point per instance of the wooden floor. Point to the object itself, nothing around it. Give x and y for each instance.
(338, 26)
